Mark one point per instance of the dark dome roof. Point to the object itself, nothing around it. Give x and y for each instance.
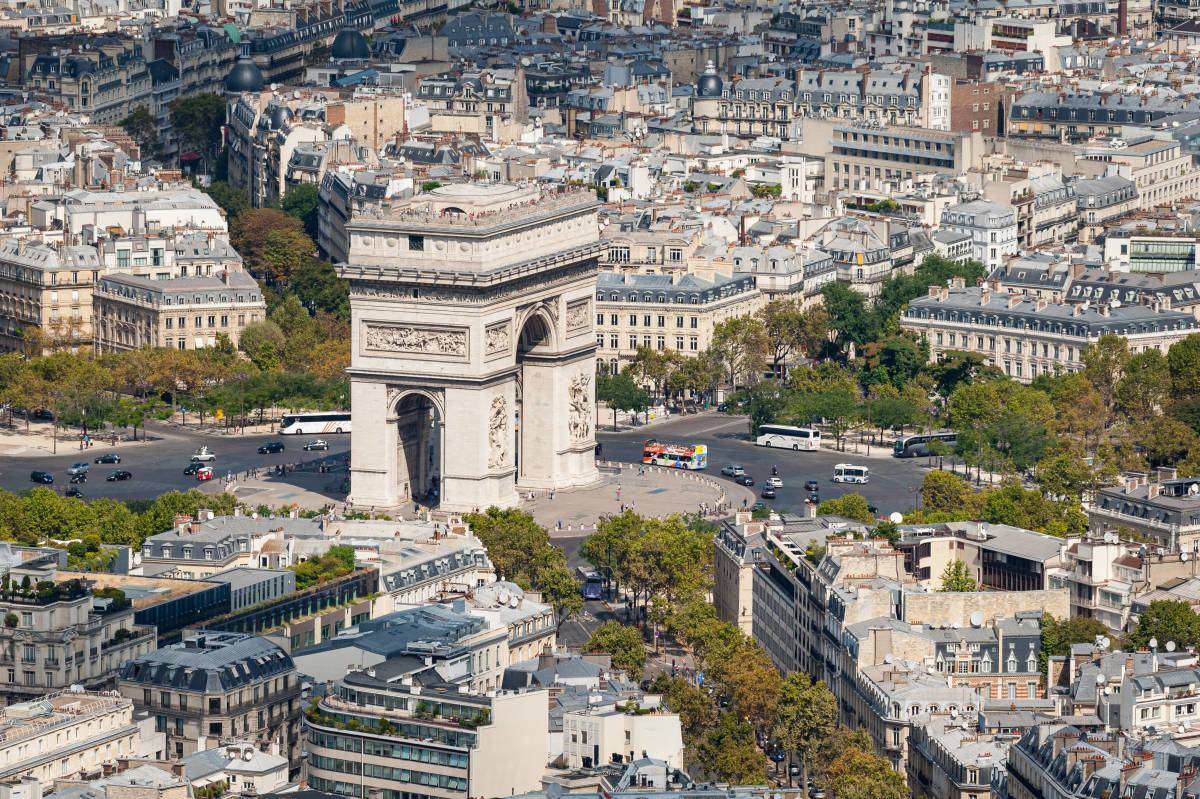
(349, 43)
(244, 77)
(709, 84)
(280, 114)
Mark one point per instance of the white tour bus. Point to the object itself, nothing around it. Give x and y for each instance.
(308, 424)
(786, 437)
(849, 473)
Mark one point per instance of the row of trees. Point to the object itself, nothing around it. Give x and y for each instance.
(40, 515)
(742, 697)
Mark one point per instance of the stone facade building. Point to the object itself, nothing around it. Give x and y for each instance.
(216, 686)
(46, 290)
(1027, 337)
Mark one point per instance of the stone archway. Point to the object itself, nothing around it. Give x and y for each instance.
(472, 307)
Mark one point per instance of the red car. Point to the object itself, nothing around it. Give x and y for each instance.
(205, 473)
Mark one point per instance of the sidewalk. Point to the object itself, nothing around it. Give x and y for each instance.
(39, 441)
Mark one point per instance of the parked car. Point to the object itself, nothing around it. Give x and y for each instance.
(270, 446)
(41, 477)
(775, 482)
(204, 455)
(320, 443)
(812, 485)
(794, 770)
(192, 468)
(744, 479)
(118, 475)
(108, 457)
(732, 470)
(78, 468)
(74, 492)
(43, 416)
(768, 492)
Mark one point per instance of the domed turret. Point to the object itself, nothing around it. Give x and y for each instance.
(709, 84)
(244, 77)
(280, 115)
(349, 44)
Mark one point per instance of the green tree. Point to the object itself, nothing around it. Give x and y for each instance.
(301, 203)
(957, 577)
(741, 344)
(762, 402)
(1183, 358)
(729, 754)
(560, 589)
(697, 714)
(839, 408)
(263, 343)
(198, 121)
(139, 124)
(1145, 386)
(807, 715)
(849, 315)
(858, 772)
(1104, 363)
(1058, 636)
(286, 252)
(232, 201)
(945, 492)
(1166, 621)
(429, 186)
(783, 322)
(848, 506)
(623, 644)
(621, 393)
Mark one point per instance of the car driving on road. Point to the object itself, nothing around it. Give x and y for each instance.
(204, 455)
(118, 475)
(270, 447)
(41, 477)
(320, 443)
(192, 468)
(812, 485)
(732, 470)
(768, 492)
(744, 479)
(78, 468)
(775, 482)
(108, 457)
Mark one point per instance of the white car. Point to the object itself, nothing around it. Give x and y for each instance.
(203, 454)
(775, 482)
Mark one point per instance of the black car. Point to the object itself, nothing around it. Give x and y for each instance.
(744, 479)
(41, 477)
(812, 485)
(768, 492)
(269, 447)
(74, 492)
(192, 468)
(43, 416)
(814, 497)
(108, 457)
(119, 474)
(874, 510)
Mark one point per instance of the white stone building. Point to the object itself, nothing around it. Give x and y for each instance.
(992, 227)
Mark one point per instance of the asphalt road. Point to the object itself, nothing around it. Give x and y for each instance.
(157, 466)
(894, 483)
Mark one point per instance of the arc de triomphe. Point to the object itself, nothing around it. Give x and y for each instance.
(472, 345)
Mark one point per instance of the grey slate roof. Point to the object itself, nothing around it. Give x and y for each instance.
(210, 663)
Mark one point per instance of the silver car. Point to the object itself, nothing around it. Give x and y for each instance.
(78, 468)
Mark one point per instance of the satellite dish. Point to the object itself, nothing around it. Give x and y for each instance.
(1108, 690)
(1170, 646)
(1115, 303)
(1100, 678)
(896, 517)
(1153, 643)
(977, 618)
(1183, 556)
(888, 658)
